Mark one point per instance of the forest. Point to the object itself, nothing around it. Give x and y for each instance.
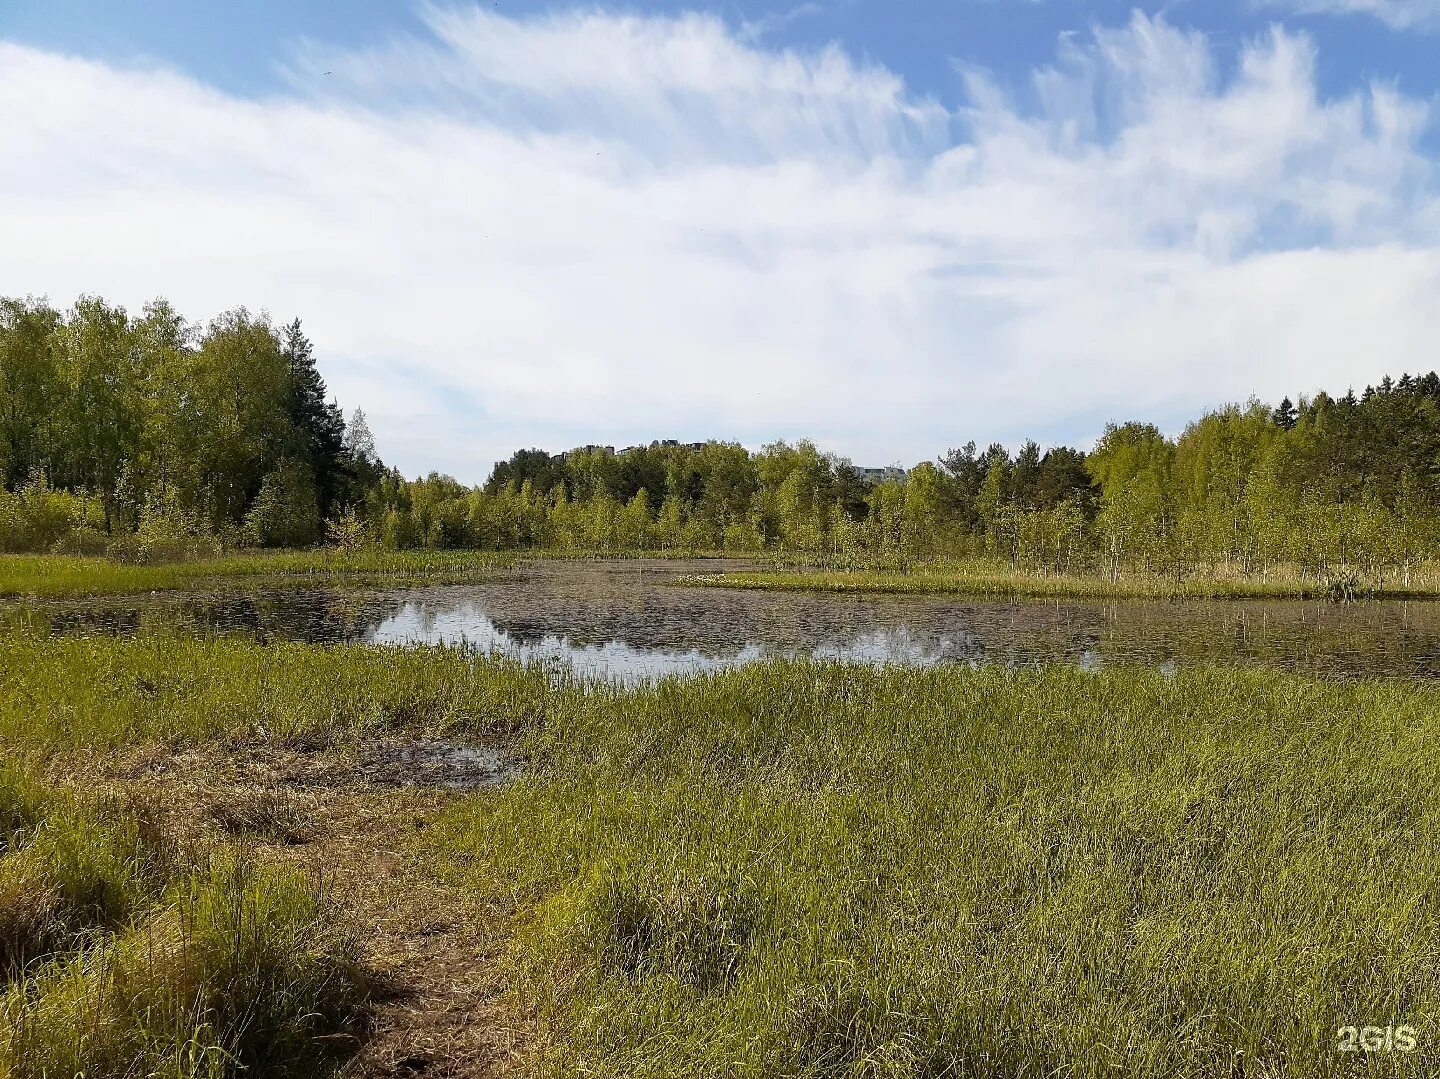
(148, 436)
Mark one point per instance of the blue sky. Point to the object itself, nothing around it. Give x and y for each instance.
(892, 225)
(237, 46)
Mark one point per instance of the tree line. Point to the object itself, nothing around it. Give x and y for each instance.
(114, 426)
(120, 432)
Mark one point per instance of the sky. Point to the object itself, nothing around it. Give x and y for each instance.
(891, 226)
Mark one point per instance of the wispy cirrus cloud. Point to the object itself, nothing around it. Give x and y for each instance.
(775, 21)
(1398, 14)
(588, 226)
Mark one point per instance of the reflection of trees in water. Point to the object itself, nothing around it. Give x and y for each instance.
(1352, 640)
(309, 615)
(83, 620)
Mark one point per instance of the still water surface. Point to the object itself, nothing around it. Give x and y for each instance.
(627, 619)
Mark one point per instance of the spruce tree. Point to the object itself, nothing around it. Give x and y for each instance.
(318, 422)
(1285, 414)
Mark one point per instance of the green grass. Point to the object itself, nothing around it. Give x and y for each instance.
(72, 575)
(60, 575)
(990, 579)
(101, 692)
(77, 870)
(810, 870)
(793, 869)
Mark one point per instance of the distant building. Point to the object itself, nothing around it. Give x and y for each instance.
(882, 475)
(664, 444)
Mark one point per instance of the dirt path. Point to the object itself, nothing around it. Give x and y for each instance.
(341, 816)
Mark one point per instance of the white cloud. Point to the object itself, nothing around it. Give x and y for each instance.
(589, 227)
(1399, 14)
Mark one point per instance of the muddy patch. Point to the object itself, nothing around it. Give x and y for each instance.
(442, 765)
(260, 766)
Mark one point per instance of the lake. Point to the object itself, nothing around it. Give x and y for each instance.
(627, 619)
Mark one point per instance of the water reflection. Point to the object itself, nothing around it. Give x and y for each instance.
(626, 619)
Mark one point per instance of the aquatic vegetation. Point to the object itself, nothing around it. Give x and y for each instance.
(164, 687)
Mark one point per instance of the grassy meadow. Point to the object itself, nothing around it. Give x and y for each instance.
(793, 868)
(31, 576)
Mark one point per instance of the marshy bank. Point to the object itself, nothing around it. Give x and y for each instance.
(990, 578)
(37, 576)
(795, 867)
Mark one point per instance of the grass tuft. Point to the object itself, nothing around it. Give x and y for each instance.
(22, 804)
(239, 973)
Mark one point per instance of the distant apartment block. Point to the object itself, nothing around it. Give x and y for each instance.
(882, 475)
(665, 443)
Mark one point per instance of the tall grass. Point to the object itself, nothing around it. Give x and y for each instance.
(239, 972)
(77, 872)
(118, 960)
(812, 870)
(794, 868)
(58, 693)
(22, 801)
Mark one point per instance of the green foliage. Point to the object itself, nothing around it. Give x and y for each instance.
(37, 517)
(1243, 492)
(224, 427)
(286, 512)
(346, 531)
